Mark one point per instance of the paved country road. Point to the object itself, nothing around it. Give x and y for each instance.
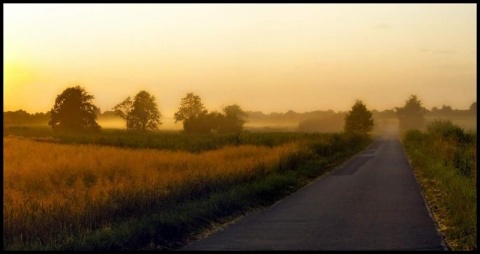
(371, 202)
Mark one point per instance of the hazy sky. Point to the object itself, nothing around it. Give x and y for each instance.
(266, 57)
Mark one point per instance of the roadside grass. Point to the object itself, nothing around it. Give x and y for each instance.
(444, 161)
(88, 197)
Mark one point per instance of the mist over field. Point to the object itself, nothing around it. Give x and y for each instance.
(118, 123)
(269, 58)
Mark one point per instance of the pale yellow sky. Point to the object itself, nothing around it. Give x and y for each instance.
(265, 57)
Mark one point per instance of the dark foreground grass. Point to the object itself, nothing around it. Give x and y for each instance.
(168, 140)
(444, 161)
(171, 225)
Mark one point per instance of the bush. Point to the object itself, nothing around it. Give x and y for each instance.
(449, 144)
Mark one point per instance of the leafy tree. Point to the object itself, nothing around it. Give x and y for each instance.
(204, 122)
(412, 115)
(190, 106)
(233, 120)
(74, 111)
(359, 119)
(144, 113)
(196, 119)
(123, 110)
(191, 113)
(214, 121)
(141, 113)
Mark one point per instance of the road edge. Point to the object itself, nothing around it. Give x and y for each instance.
(439, 233)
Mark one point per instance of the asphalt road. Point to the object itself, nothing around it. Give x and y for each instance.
(371, 202)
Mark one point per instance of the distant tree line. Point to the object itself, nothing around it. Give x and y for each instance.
(358, 120)
(330, 121)
(22, 117)
(448, 111)
(74, 110)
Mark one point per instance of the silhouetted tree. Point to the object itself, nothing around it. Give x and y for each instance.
(233, 120)
(215, 120)
(412, 115)
(16, 117)
(190, 106)
(473, 108)
(123, 110)
(196, 119)
(191, 112)
(141, 113)
(145, 114)
(74, 111)
(359, 119)
(203, 122)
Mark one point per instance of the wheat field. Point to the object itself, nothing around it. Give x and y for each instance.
(52, 188)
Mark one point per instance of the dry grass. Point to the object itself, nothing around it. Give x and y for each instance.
(51, 188)
(444, 160)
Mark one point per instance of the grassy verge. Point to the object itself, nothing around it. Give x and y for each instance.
(170, 222)
(444, 161)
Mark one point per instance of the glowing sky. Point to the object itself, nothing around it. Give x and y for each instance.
(265, 57)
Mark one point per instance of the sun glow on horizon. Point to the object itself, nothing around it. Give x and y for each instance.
(266, 57)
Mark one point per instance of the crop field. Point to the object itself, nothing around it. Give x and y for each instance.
(166, 140)
(83, 186)
(66, 195)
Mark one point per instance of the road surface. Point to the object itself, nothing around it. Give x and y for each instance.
(371, 202)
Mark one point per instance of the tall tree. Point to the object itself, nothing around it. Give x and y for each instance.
(412, 115)
(74, 111)
(190, 106)
(141, 113)
(123, 110)
(190, 112)
(359, 119)
(144, 113)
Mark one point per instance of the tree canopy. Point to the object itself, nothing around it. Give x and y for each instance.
(412, 114)
(233, 120)
(197, 119)
(191, 106)
(359, 119)
(123, 110)
(141, 113)
(74, 111)
(193, 114)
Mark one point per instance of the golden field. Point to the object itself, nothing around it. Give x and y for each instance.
(51, 188)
